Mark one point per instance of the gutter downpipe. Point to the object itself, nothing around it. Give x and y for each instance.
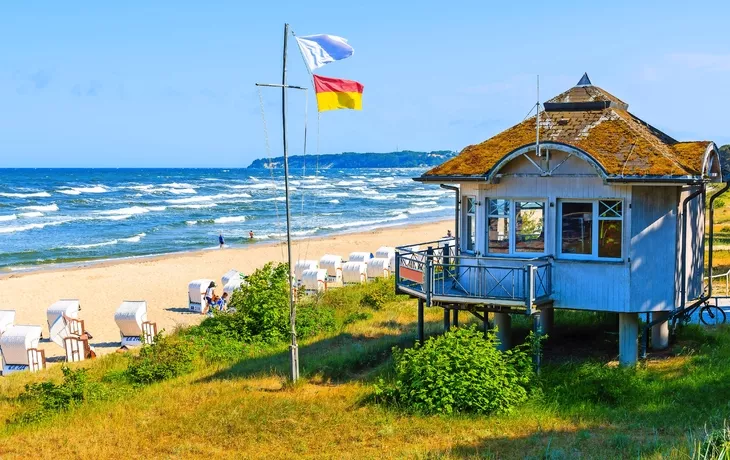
(705, 297)
(456, 191)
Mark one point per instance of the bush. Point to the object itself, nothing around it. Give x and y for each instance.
(313, 320)
(166, 358)
(262, 305)
(377, 293)
(460, 371)
(47, 398)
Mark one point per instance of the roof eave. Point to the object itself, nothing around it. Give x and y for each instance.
(450, 178)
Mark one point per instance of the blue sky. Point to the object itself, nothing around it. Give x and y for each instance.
(125, 84)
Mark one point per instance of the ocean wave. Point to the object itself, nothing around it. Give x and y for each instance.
(296, 233)
(194, 206)
(178, 185)
(131, 211)
(258, 185)
(80, 190)
(182, 191)
(30, 214)
(23, 228)
(367, 223)
(192, 199)
(229, 219)
(133, 239)
(430, 193)
(8, 218)
(424, 203)
(347, 183)
(120, 217)
(26, 195)
(48, 208)
(412, 211)
(335, 194)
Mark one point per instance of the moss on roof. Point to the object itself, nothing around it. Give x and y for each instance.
(620, 142)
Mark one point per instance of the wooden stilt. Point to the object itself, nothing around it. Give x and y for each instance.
(421, 333)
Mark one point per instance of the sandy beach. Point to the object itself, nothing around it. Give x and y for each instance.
(162, 281)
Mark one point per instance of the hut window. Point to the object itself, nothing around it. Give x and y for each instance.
(529, 226)
(470, 223)
(591, 229)
(498, 226)
(609, 228)
(577, 228)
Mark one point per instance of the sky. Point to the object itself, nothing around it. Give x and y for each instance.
(171, 84)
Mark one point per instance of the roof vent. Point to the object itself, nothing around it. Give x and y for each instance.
(584, 80)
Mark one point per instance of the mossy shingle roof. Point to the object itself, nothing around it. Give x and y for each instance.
(596, 122)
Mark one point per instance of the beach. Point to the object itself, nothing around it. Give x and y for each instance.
(162, 281)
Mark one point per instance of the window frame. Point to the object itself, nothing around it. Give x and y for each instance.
(465, 213)
(593, 256)
(512, 216)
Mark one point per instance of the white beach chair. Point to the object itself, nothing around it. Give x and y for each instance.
(359, 257)
(131, 317)
(354, 273)
(333, 265)
(300, 266)
(314, 281)
(196, 294)
(378, 268)
(387, 252)
(19, 346)
(7, 319)
(231, 275)
(66, 330)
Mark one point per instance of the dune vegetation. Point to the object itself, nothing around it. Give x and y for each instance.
(220, 390)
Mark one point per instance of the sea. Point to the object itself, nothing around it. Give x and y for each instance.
(65, 217)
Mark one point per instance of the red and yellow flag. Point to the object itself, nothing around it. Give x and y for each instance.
(335, 93)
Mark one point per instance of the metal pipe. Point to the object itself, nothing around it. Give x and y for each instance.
(701, 191)
(457, 214)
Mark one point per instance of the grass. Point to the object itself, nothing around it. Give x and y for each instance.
(582, 407)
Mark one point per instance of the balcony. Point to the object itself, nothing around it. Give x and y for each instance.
(436, 273)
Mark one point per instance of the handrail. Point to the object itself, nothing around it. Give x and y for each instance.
(720, 275)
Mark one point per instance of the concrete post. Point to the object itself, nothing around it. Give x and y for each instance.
(628, 338)
(447, 320)
(503, 322)
(547, 319)
(455, 322)
(660, 332)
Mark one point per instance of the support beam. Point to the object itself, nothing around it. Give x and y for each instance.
(455, 322)
(628, 338)
(660, 332)
(503, 322)
(485, 324)
(547, 320)
(447, 320)
(421, 334)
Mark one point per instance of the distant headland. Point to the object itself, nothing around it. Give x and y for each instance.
(348, 160)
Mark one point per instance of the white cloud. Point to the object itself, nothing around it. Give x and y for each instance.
(703, 61)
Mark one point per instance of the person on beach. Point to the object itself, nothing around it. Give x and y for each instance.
(448, 233)
(222, 302)
(250, 234)
(210, 297)
(220, 240)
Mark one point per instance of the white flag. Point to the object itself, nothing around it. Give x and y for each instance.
(319, 50)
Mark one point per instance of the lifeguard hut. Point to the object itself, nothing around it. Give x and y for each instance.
(584, 207)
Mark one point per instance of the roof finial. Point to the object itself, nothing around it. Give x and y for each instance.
(584, 80)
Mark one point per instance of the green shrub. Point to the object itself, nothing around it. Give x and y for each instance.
(460, 371)
(262, 305)
(166, 358)
(593, 382)
(356, 316)
(313, 319)
(377, 293)
(47, 398)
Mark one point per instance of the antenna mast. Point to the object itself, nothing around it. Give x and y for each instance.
(537, 121)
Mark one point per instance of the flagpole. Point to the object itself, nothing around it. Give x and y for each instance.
(294, 349)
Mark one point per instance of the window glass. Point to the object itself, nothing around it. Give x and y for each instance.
(498, 224)
(529, 226)
(470, 224)
(609, 228)
(577, 228)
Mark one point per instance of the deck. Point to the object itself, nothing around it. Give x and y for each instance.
(437, 274)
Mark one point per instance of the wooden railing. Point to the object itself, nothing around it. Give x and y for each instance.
(438, 273)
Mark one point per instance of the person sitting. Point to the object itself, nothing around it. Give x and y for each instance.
(222, 302)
